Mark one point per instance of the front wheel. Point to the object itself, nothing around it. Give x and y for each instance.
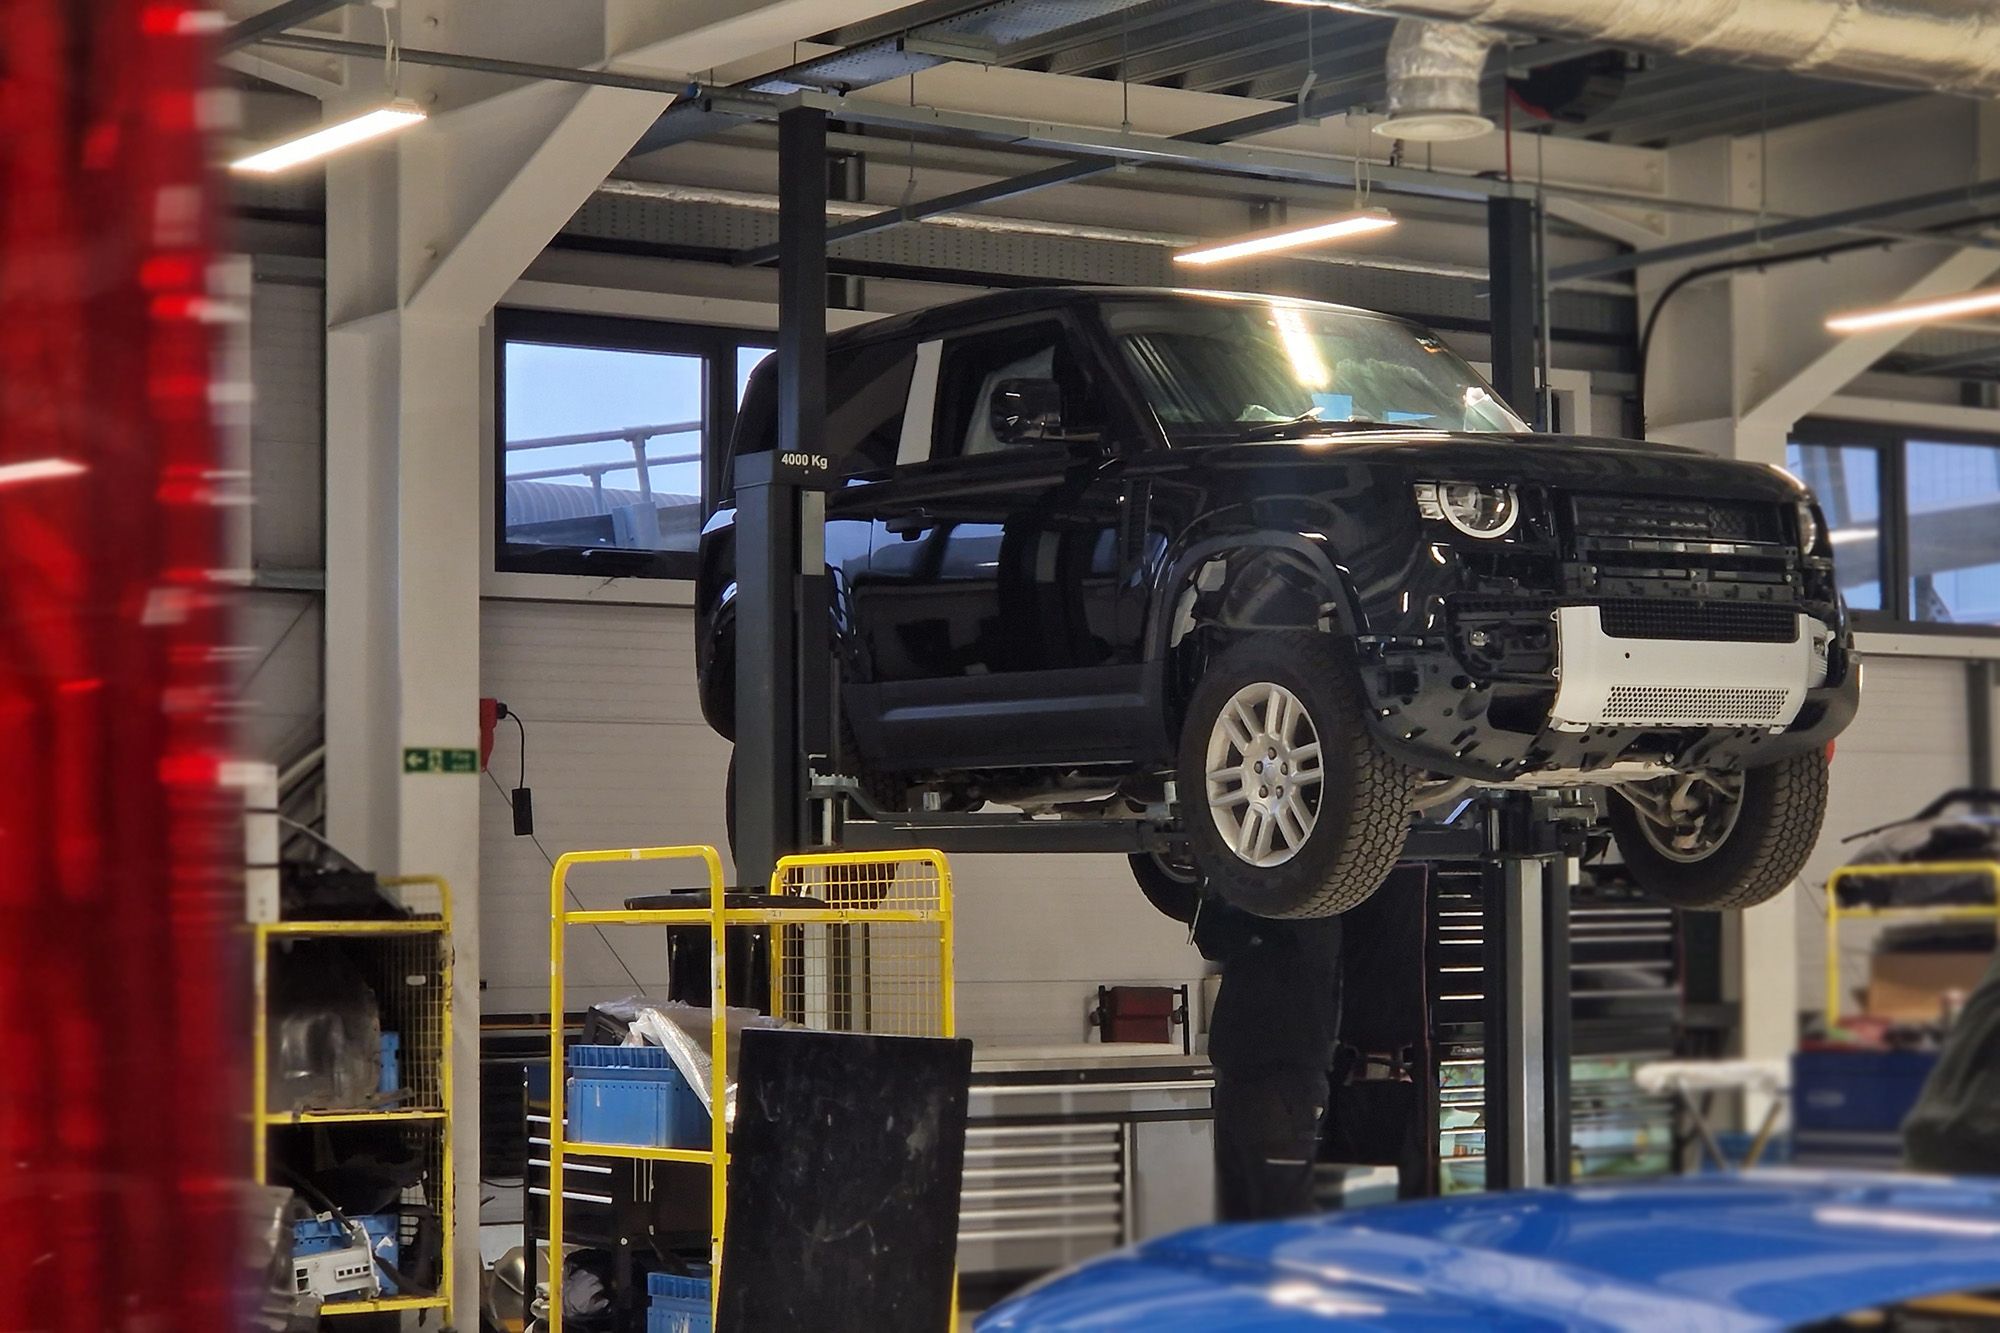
(1713, 842)
(1292, 808)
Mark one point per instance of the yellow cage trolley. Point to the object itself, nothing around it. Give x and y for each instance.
(867, 949)
(1838, 916)
(408, 963)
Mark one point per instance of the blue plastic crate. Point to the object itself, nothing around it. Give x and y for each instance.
(316, 1235)
(633, 1095)
(680, 1304)
(1857, 1092)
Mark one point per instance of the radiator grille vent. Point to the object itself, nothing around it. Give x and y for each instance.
(1693, 706)
(1724, 622)
(1657, 518)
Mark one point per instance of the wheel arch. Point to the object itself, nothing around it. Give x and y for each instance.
(1268, 581)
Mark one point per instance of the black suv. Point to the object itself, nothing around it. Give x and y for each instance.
(1290, 574)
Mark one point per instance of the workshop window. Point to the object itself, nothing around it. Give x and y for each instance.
(610, 433)
(1914, 517)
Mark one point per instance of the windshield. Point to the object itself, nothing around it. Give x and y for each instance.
(1226, 368)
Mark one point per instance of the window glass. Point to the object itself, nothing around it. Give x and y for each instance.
(602, 447)
(747, 360)
(1230, 368)
(1846, 479)
(974, 366)
(867, 391)
(1953, 516)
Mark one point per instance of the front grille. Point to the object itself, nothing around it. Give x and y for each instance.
(1716, 622)
(1658, 518)
(1693, 706)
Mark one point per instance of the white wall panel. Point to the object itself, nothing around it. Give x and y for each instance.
(618, 756)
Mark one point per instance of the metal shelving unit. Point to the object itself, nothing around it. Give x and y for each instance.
(402, 951)
(873, 954)
(1838, 915)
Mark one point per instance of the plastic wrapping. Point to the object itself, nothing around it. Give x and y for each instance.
(683, 1031)
(325, 1038)
(1959, 826)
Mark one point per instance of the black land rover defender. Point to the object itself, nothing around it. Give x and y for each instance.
(1288, 574)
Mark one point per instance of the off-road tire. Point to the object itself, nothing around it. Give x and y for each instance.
(1363, 817)
(1173, 890)
(1783, 804)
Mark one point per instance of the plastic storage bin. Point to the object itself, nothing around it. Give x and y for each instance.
(317, 1235)
(680, 1304)
(1857, 1092)
(633, 1095)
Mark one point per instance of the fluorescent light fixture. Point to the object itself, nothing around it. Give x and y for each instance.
(38, 469)
(1289, 238)
(323, 142)
(1917, 312)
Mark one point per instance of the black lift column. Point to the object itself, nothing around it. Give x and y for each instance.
(780, 532)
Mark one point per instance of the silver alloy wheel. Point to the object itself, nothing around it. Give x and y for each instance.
(1264, 774)
(1687, 817)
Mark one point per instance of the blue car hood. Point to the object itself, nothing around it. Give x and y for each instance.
(1760, 1251)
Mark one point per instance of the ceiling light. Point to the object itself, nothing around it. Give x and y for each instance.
(39, 469)
(322, 142)
(1288, 238)
(1917, 312)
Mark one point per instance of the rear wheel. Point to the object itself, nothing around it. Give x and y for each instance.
(1718, 841)
(1171, 883)
(1291, 807)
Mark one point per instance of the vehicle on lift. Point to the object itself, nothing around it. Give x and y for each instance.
(1278, 574)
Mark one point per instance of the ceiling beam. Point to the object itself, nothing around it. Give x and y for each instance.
(286, 14)
(1061, 174)
(1939, 363)
(1856, 221)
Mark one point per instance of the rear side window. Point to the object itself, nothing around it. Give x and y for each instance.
(867, 391)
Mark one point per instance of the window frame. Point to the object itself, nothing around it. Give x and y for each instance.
(716, 344)
(1890, 443)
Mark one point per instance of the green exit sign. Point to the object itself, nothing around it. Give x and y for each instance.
(419, 759)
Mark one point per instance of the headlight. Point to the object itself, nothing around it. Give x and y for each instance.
(1808, 527)
(1477, 509)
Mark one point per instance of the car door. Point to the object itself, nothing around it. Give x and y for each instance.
(995, 610)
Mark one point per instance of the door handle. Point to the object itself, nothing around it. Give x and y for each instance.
(910, 525)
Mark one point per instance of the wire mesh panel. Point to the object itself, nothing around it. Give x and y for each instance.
(881, 960)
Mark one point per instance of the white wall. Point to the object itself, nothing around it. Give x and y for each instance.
(618, 756)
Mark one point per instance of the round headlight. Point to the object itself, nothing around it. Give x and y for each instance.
(1477, 509)
(1808, 527)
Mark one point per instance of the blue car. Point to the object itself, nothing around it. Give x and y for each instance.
(1766, 1250)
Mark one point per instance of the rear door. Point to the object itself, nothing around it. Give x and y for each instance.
(994, 612)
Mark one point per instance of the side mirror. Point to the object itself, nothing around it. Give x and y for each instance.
(1026, 410)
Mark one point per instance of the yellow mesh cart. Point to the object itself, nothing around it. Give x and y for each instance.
(868, 949)
(408, 963)
(1838, 916)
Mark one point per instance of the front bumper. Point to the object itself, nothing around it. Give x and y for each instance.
(1600, 698)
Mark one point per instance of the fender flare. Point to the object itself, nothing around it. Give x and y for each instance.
(1166, 594)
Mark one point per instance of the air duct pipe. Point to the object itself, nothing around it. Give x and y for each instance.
(1950, 46)
(1434, 81)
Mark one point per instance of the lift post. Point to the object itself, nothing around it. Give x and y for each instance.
(781, 592)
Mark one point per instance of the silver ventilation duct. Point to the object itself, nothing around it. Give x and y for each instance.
(1950, 46)
(1434, 81)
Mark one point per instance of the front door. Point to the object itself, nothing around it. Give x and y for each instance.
(996, 611)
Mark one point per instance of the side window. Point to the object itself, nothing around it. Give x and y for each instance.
(867, 390)
(977, 364)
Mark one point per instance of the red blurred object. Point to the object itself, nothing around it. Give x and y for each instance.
(122, 1015)
(489, 718)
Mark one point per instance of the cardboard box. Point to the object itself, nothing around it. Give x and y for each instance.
(1911, 986)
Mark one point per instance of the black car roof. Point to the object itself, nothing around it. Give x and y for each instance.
(938, 319)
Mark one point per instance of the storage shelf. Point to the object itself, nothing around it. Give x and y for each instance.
(420, 927)
(748, 916)
(637, 1152)
(382, 1305)
(349, 1117)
